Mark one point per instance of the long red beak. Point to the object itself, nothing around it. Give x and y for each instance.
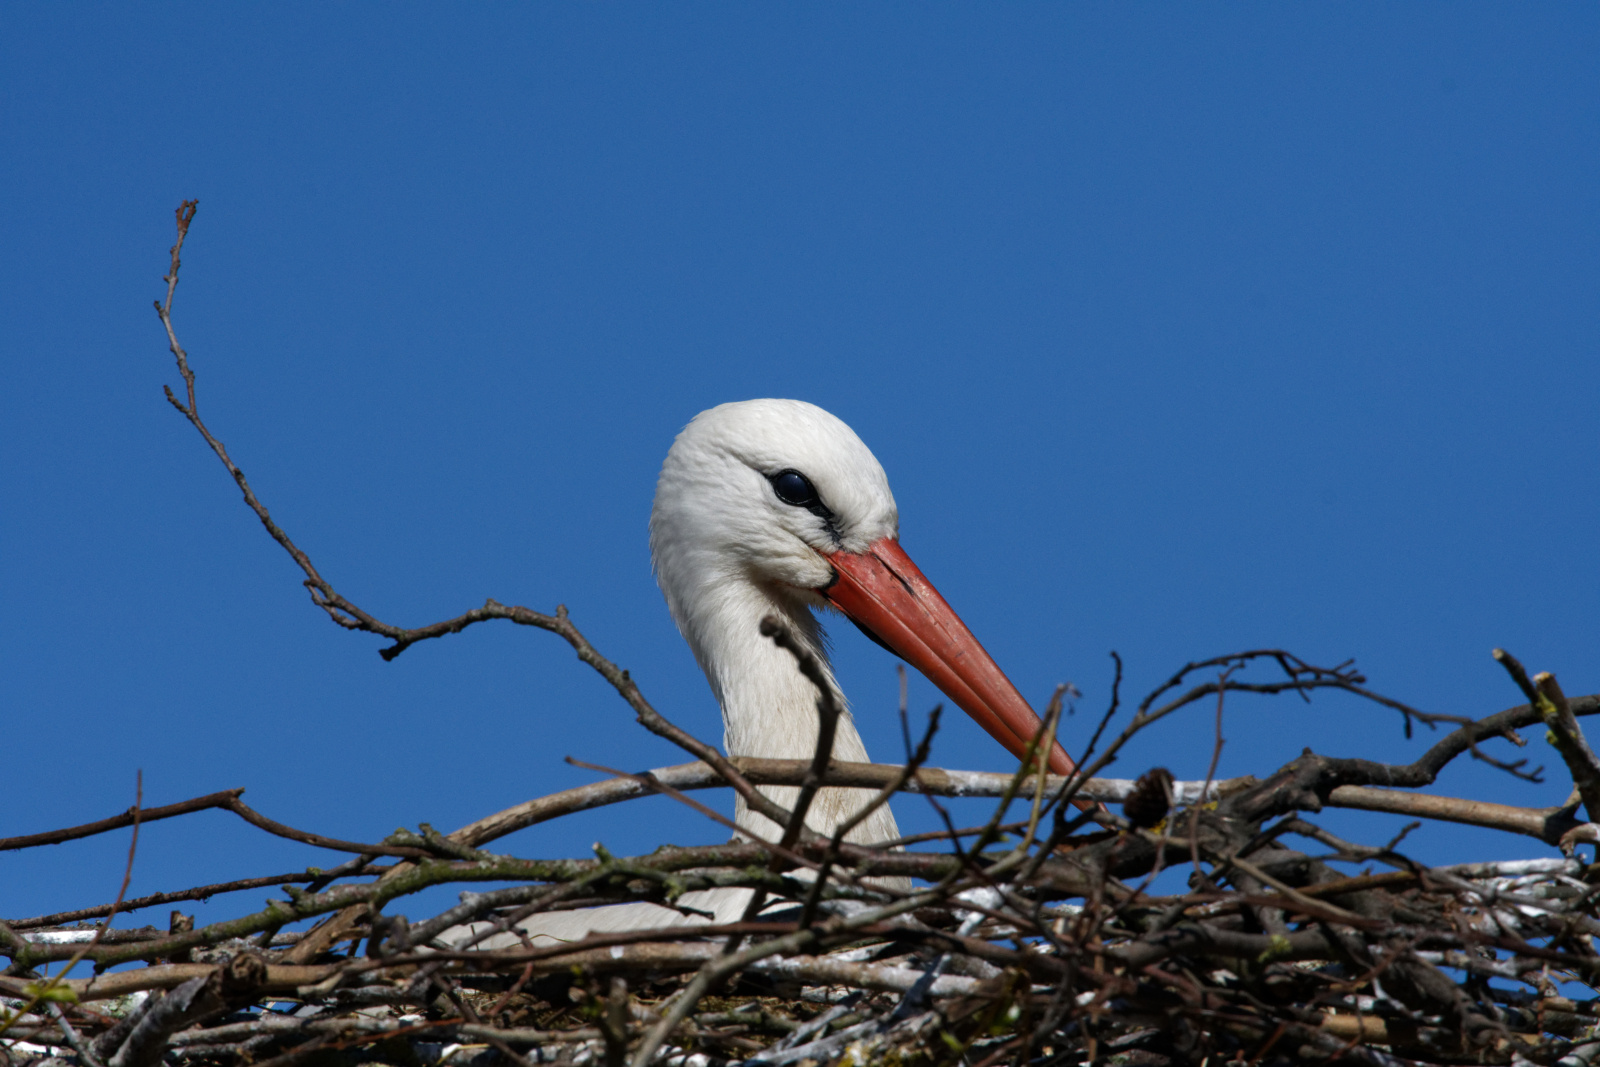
(885, 594)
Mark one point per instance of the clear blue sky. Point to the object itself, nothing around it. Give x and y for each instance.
(1179, 330)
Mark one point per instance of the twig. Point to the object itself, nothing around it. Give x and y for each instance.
(45, 990)
(1570, 742)
(83, 1048)
(828, 712)
(898, 782)
(203, 892)
(1052, 719)
(1546, 824)
(785, 852)
(117, 822)
(1211, 773)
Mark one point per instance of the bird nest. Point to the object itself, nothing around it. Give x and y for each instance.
(1034, 939)
(1045, 935)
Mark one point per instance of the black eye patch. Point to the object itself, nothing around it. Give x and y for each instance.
(796, 490)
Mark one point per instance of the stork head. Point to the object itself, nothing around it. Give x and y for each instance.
(781, 495)
(767, 491)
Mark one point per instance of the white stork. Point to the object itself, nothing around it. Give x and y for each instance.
(776, 507)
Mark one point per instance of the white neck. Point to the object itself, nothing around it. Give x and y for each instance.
(769, 709)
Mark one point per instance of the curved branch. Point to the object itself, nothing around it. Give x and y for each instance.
(117, 822)
(1426, 767)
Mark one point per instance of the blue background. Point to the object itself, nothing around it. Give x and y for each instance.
(1179, 330)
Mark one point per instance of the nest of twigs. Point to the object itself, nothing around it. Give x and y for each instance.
(1037, 940)
(1040, 937)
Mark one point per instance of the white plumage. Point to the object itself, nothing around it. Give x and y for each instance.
(770, 507)
(728, 551)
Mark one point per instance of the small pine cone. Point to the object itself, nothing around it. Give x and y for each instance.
(1147, 805)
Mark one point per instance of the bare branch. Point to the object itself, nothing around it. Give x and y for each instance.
(828, 712)
(117, 822)
(202, 892)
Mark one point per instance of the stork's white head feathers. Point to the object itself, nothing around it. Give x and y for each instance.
(717, 507)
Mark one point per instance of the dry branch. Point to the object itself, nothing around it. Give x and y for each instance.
(1181, 978)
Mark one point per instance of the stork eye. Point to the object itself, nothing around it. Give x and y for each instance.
(796, 489)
